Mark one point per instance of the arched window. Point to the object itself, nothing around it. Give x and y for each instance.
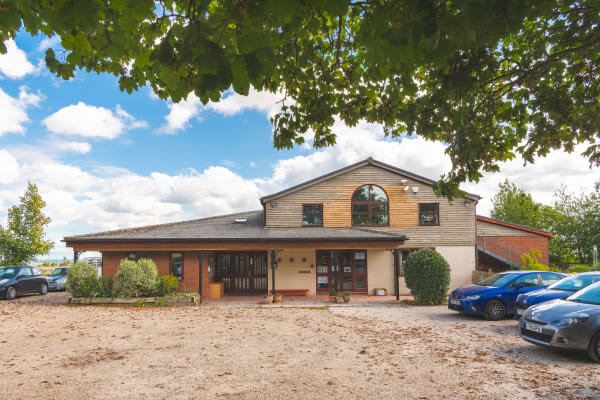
(370, 206)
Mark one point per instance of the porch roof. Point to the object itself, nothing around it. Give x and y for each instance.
(246, 227)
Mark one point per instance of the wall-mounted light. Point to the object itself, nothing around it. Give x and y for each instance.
(415, 189)
(406, 188)
(403, 181)
(303, 259)
(273, 204)
(467, 202)
(291, 259)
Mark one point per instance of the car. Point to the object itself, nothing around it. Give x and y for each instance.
(558, 290)
(494, 297)
(58, 278)
(21, 279)
(572, 323)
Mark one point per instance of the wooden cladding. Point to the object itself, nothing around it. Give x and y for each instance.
(456, 220)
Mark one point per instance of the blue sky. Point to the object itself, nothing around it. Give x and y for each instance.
(103, 159)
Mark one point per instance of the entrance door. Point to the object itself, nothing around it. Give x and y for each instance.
(342, 270)
(242, 273)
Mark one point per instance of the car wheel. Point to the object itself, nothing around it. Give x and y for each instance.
(11, 293)
(43, 289)
(594, 347)
(495, 310)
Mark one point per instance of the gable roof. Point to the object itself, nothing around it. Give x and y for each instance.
(246, 226)
(514, 226)
(368, 161)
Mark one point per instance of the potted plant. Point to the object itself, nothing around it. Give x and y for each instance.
(332, 295)
(347, 296)
(276, 297)
(339, 298)
(268, 298)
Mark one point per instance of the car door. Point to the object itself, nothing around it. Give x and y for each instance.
(37, 279)
(522, 284)
(24, 280)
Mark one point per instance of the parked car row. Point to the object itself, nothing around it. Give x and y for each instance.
(16, 280)
(552, 312)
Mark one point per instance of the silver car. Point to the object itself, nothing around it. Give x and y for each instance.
(58, 278)
(572, 323)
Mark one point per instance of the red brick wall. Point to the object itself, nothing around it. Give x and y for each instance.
(519, 245)
(112, 259)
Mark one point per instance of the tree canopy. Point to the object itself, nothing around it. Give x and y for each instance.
(513, 204)
(490, 78)
(24, 237)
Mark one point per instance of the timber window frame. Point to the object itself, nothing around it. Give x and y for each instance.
(312, 214)
(429, 214)
(370, 206)
(177, 265)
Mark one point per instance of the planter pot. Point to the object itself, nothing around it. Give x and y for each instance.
(276, 299)
(339, 299)
(346, 299)
(268, 300)
(332, 299)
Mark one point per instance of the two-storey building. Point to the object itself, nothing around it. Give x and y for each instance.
(350, 229)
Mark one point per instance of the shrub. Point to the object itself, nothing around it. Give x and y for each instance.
(332, 291)
(575, 269)
(427, 275)
(531, 261)
(596, 267)
(136, 279)
(167, 285)
(79, 279)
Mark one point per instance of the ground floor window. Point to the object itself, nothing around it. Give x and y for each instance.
(177, 265)
(342, 270)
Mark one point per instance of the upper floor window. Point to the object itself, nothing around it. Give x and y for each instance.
(429, 214)
(312, 214)
(370, 206)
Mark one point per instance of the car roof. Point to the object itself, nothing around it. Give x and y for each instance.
(18, 266)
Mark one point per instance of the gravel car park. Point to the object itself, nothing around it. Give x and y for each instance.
(374, 351)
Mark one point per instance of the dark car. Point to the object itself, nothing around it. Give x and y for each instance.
(21, 279)
(558, 290)
(58, 278)
(572, 323)
(494, 297)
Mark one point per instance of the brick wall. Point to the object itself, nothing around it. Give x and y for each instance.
(519, 245)
(112, 259)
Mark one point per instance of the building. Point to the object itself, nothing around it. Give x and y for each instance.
(351, 229)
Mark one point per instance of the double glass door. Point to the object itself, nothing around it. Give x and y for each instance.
(342, 270)
(242, 273)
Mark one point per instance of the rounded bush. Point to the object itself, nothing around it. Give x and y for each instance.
(136, 279)
(79, 279)
(167, 285)
(427, 275)
(575, 269)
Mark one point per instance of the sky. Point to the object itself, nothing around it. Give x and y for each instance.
(103, 159)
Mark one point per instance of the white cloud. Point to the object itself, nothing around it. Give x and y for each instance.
(180, 114)
(47, 43)
(231, 104)
(14, 63)
(13, 114)
(90, 121)
(10, 168)
(74, 147)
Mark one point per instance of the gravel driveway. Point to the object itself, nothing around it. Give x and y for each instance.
(51, 350)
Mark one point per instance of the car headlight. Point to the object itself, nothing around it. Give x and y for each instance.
(473, 297)
(571, 320)
(3, 281)
(62, 280)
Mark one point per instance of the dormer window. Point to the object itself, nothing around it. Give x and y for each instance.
(370, 206)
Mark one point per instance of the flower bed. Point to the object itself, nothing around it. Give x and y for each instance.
(171, 301)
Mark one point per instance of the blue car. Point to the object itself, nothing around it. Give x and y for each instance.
(558, 290)
(495, 296)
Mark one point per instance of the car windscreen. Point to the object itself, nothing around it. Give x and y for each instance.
(497, 280)
(589, 295)
(58, 271)
(7, 273)
(576, 282)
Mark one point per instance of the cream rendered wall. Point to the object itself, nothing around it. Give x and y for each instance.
(296, 274)
(462, 264)
(380, 270)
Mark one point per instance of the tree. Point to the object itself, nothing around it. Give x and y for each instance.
(578, 224)
(513, 204)
(427, 275)
(490, 78)
(24, 238)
